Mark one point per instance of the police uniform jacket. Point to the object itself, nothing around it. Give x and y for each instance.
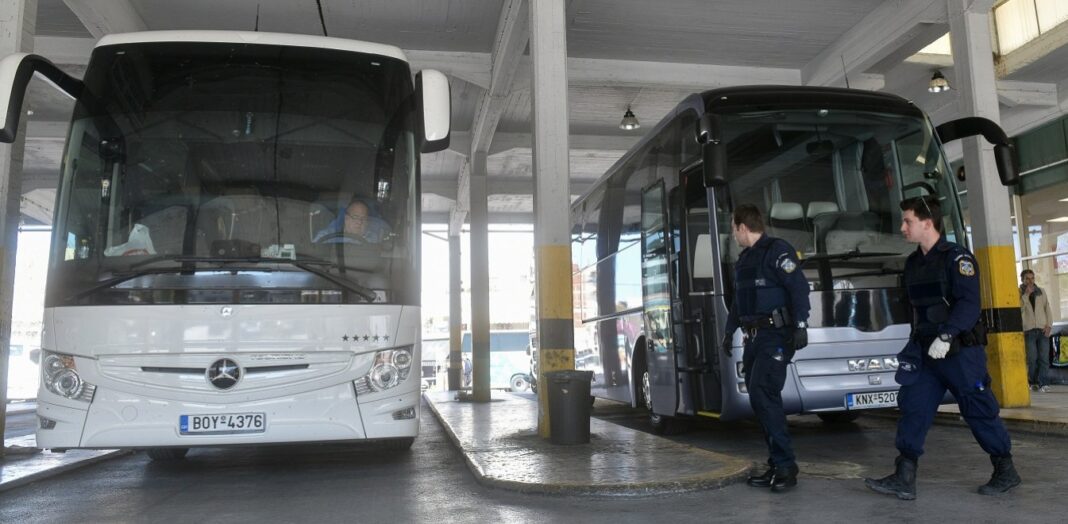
(768, 276)
(943, 289)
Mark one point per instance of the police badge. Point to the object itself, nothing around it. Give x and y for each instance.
(966, 268)
(788, 265)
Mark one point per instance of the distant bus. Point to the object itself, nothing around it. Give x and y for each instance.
(652, 244)
(208, 284)
(509, 359)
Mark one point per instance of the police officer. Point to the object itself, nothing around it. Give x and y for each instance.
(945, 351)
(771, 306)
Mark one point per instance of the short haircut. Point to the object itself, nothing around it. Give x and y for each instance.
(750, 216)
(1026, 272)
(925, 208)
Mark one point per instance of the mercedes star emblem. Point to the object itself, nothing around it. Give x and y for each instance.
(226, 311)
(224, 373)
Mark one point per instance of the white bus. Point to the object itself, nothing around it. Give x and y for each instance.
(828, 167)
(235, 254)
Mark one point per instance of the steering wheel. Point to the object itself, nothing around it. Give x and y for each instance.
(341, 237)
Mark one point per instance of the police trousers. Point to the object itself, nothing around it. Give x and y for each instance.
(764, 364)
(964, 375)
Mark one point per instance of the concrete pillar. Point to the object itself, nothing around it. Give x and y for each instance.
(17, 26)
(552, 199)
(480, 317)
(989, 203)
(455, 315)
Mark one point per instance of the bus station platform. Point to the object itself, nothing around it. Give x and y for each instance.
(1047, 414)
(502, 449)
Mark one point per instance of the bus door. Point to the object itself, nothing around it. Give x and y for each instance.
(656, 296)
(695, 310)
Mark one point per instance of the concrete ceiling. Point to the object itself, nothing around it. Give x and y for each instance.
(636, 53)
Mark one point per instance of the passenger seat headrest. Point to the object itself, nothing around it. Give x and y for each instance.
(819, 208)
(786, 211)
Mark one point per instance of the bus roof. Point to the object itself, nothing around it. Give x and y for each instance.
(755, 96)
(758, 97)
(251, 37)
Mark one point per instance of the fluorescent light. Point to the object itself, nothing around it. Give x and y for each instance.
(1058, 219)
(1063, 200)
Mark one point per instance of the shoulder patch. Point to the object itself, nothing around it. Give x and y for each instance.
(966, 267)
(787, 265)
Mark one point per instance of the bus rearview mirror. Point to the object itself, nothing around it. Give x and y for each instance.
(713, 151)
(16, 70)
(975, 125)
(432, 88)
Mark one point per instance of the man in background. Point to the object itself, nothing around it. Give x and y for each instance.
(1037, 325)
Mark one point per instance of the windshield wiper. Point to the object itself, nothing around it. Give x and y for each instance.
(850, 255)
(350, 285)
(306, 265)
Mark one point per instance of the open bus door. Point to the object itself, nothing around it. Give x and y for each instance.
(660, 379)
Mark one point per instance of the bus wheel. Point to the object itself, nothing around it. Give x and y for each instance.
(167, 454)
(839, 417)
(519, 382)
(660, 423)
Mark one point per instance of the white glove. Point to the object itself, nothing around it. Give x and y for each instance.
(938, 349)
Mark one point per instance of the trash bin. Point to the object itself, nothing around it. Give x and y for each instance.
(569, 406)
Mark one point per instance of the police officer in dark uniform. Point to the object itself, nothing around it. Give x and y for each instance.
(771, 306)
(945, 351)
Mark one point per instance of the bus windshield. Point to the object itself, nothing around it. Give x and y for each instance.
(829, 181)
(233, 173)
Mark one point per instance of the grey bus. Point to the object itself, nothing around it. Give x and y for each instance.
(653, 254)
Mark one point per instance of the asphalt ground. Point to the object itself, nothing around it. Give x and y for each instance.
(431, 483)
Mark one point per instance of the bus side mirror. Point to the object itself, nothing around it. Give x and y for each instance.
(15, 73)
(713, 150)
(434, 97)
(974, 125)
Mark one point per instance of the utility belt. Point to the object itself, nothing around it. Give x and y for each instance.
(970, 338)
(779, 318)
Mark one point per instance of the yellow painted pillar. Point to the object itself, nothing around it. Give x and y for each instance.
(1001, 314)
(556, 333)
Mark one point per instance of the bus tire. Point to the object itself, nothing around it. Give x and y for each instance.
(167, 454)
(519, 382)
(839, 417)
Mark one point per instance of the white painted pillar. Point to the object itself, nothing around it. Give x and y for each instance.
(480, 314)
(17, 27)
(552, 200)
(988, 202)
(455, 370)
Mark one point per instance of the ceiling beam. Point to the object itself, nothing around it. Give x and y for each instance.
(102, 17)
(497, 185)
(513, 33)
(38, 205)
(1012, 94)
(64, 51)
(473, 68)
(889, 34)
(460, 142)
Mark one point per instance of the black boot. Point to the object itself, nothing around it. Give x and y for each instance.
(902, 484)
(1003, 479)
(763, 480)
(784, 478)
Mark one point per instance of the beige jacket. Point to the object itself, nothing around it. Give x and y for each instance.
(1038, 317)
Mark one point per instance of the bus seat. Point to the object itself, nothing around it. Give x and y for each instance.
(819, 208)
(703, 265)
(240, 217)
(167, 229)
(787, 221)
(856, 231)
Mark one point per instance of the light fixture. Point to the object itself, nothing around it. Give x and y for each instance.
(938, 83)
(629, 121)
(1058, 219)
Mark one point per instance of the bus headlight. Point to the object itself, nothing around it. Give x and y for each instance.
(390, 368)
(60, 376)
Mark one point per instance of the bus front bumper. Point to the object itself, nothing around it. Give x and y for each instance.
(123, 420)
